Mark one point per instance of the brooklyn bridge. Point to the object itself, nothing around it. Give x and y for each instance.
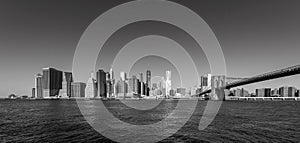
(220, 83)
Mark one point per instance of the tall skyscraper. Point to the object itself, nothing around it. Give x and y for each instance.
(65, 92)
(91, 87)
(101, 83)
(39, 86)
(109, 88)
(168, 83)
(112, 78)
(142, 84)
(69, 79)
(78, 89)
(148, 81)
(52, 82)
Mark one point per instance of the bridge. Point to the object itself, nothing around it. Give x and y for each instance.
(218, 83)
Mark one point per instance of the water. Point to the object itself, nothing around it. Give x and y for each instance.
(237, 121)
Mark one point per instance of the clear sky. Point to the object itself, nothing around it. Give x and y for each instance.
(256, 37)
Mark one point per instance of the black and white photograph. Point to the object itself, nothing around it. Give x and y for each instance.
(149, 71)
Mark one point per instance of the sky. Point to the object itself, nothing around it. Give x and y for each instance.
(255, 36)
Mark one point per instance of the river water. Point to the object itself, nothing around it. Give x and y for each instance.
(236, 121)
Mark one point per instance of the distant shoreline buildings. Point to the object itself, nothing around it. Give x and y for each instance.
(53, 83)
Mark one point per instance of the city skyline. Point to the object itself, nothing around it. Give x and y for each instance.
(54, 83)
(150, 71)
(103, 85)
(255, 38)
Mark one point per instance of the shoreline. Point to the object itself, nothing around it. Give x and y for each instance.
(273, 99)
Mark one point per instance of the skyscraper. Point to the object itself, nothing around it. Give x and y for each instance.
(109, 88)
(78, 89)
(121, 89)
(39, 86)
(133, 85)
(52, 82)
(148, 81)
(69, 79)
(101, 83)
(142, 84)
(91, 87)
(168, 83)
(112, 78)
(65, 92)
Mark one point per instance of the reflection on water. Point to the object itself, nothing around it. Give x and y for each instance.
(61, 121)
(133, 116)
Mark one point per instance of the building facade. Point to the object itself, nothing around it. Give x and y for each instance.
(292, 91)
(39, 86)
(205, 82)
(65, 92)
(148, 82)
(141, 80)
(101, 84)
(52, 82)
(168, 83)
(78, 89)
(91, 87)
(121, 89)
(133, 85)
(33, 92)
(275, 92)
(283, 91)
(260, 92)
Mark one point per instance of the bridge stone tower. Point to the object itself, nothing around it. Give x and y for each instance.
(218, 83)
